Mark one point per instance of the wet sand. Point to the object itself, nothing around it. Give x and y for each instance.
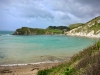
(30, 69)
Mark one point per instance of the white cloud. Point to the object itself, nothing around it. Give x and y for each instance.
(76, 7)
(52, 11)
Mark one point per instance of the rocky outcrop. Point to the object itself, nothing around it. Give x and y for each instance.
(89, 29)
(29, 31)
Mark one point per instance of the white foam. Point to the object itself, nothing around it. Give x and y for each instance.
(6, 35)
(56, 61)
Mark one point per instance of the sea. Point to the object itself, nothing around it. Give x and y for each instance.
(22, 49)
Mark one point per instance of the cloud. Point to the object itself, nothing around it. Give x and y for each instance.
(79, 8)
(90, 2)
(34, 12)
(40, 9)
(90, 7)
(28, 8)
(55, 12)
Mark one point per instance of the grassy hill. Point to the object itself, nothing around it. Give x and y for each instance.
(54, 31)
(90, 28)
(49, 30)
(29, 31)
(57, 29)
(72, 26)
(86, 62)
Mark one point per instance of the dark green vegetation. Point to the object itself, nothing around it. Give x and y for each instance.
(54, 31)
(49, 30)
(86, 62)
(57, 29)
(29, 31)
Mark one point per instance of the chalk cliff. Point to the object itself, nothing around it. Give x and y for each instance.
(89, 29)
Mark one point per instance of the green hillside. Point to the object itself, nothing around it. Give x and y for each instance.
(49, 30)
(72, 26)
(57, 29)
(91, 27)
(86, 62)
(29, 31)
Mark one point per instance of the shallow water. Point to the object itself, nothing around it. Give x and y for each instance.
(39, 48)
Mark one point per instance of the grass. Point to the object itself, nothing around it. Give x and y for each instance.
(83, 63)
(95, 27)
(29, 31)
(32, 31)
(54, 31)
(87, 26)
(72, 26)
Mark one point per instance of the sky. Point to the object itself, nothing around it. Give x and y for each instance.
(43, 13)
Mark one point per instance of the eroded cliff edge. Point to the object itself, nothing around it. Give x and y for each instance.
(89, 29)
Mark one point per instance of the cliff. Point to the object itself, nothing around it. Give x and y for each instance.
(29, 31)
(72, 26)
(89, 29)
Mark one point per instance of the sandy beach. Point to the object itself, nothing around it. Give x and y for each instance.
(29, 69)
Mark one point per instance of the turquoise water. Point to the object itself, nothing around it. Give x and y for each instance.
(39, 48)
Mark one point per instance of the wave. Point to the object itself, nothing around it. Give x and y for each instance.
(56, 61)
(5, 35)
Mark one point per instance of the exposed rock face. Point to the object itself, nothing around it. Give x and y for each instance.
(29, 31)
(89, 29)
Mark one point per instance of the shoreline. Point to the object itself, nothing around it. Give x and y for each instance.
(87, 36)
(49, 59)
(26, 69)
(24, 64)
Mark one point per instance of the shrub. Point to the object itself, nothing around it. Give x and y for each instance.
(69, 71)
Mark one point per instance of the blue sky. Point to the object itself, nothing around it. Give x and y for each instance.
(43, 13)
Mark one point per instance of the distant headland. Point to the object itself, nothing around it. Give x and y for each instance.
(88, 29)
(38, 31)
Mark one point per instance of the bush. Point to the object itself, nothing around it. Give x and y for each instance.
(44, 72)
(69, 71)
(98, 44)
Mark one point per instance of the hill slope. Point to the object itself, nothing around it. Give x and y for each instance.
(72, 26)
(87, 62)
(49, 30)
(29, 31)
(89, 29)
